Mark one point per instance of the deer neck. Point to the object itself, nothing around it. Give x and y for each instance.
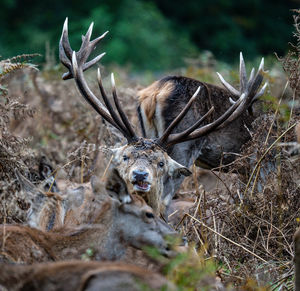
(154, 196)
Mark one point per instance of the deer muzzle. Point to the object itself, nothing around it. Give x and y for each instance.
(140, 181)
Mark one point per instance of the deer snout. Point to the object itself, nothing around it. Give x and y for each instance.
(140, 180)
(140, 176)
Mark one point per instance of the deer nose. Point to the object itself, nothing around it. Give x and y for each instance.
(139, 176)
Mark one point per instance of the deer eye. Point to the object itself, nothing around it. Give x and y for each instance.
(149, 215)
(161, 164)
(125, 158)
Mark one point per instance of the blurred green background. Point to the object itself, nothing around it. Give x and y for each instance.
(152, 35)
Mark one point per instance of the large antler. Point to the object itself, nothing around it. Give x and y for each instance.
(247, 95)
(76, 63)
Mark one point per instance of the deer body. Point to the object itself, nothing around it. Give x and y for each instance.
(158, 107)
(80, 275)
(113, 226)
(163, 106)
(160, 104)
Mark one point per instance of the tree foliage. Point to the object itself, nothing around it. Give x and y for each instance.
(153, 35)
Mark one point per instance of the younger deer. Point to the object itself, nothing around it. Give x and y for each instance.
(144, 163)
(80, 275)
(111, 227)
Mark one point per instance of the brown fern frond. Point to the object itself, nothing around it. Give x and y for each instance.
(8, 66)
(291, 62)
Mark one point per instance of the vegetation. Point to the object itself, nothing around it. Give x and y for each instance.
(242, 232)
(153, 35)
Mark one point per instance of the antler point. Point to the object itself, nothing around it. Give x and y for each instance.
(74, 62)
(99, 75)
(261, 65)
(113, 80)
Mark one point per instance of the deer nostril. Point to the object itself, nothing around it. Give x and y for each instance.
(140, 175)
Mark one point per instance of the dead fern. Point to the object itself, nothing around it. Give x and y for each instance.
(291, 62)
(14, 150)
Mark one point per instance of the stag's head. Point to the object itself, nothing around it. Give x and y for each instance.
(142, 163)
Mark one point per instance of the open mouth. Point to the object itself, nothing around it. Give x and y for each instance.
(141, 186)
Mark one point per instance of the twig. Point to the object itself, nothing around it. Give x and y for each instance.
(265, 153)
(106, 169)
(228, 239)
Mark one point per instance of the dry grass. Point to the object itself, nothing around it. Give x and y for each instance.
(245, 224)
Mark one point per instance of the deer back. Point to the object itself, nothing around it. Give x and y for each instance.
(79, 275)
(161, 103)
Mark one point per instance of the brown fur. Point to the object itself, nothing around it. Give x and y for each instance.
(153, 94)
(77, 275)
(110, 223)
(73, 206)
(178, 208)
(173, 101)
(52, 208)
(29, 245)
(145, 156)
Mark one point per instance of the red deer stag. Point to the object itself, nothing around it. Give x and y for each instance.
(143, 163)
(111, 228)
(79, 275)
(161, 102)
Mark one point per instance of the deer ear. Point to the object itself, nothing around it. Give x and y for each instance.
(25, 184)
(116, 152)
(176, 169)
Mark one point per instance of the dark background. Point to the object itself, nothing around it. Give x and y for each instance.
(153, 35)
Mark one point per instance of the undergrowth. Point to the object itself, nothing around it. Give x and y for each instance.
(242, 231)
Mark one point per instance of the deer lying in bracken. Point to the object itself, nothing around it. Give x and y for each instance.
(161, 103)
(79, 275)
(144, 163)
(70, 207)
(111, 227)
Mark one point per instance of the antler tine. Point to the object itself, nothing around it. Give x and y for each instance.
(65, 51)
(65, 40)
(231, 89)
(121, 112)
(177, 137)
(162, 140)
(260, 92)
(251, 76)
(76, 64)
(87, 46)
(253, 80)
(69, 75)
(261, 65)
(249, 87)
(182, 136)
(243, 74)
(247, 96)
(114, 116)
(86, 38)
(88, 94)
